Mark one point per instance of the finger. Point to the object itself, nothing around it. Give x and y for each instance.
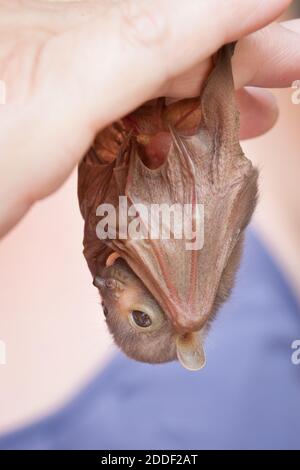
(126, 55)
(258, 111)
(269, 58)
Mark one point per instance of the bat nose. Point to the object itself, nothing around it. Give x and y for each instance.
(188, 320)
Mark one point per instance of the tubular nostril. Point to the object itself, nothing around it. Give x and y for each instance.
(141, 23)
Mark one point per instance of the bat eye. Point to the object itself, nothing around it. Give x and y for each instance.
(141, 319)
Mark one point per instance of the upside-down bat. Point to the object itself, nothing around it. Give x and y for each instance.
(158, 297)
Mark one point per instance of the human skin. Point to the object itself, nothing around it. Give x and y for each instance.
(71, 69)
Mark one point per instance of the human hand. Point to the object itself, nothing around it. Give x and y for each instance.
(72, 68)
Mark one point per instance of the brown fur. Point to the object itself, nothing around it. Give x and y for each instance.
(195, 156)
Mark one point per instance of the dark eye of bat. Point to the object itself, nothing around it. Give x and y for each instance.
(141, 319)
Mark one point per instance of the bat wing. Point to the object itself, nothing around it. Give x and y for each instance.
(94, 178)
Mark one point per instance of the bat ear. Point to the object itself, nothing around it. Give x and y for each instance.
(190, 352)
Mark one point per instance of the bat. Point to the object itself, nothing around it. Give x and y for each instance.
(159, 298)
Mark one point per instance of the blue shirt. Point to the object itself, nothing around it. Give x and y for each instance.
(247, 397)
